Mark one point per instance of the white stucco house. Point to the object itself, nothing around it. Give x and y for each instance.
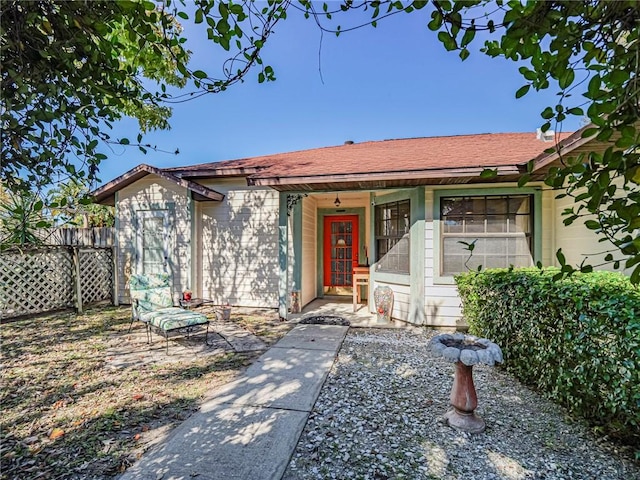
(254, 231)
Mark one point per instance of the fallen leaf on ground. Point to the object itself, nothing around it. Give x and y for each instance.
(138, 396)
(56, 433)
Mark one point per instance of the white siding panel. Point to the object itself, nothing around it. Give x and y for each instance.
(154, 193)
(442, 291)
(577, 241)
(548, 215)
(239, 261)
(442, 303)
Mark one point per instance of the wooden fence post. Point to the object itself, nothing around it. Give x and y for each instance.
(76, 264)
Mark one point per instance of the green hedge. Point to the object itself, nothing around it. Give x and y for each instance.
(576, 339)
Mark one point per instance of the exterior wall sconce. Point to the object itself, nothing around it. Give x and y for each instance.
(337, 202)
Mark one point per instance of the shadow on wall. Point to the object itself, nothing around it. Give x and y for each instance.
(240, 249)
(432, 310)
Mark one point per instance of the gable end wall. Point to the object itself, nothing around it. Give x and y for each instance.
(154, 193)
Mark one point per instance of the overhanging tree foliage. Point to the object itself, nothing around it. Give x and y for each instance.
(21, 215)
(590, 51)
(69, 204)
(69, 69)
(70, 77)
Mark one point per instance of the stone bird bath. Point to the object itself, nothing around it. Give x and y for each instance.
(465, 351)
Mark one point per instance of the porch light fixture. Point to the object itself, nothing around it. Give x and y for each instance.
(337, 202)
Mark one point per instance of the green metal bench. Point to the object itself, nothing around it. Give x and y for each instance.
(152, 304)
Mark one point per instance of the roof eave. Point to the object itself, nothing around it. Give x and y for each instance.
(564, 147)
(105, 195)
(380, 176)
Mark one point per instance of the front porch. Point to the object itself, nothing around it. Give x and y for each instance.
(341, 306)
(329, 240)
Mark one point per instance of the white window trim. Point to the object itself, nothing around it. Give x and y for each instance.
(382, 202)
(536, 211)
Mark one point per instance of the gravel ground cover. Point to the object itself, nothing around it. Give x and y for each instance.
(379, 416)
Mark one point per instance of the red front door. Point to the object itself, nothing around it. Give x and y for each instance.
(340, 250)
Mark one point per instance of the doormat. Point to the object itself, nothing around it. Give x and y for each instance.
(325, 320)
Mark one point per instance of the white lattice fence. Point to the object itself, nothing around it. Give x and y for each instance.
(34, 281)
(96, 275)
(40, 280)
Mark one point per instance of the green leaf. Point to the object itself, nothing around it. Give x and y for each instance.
(566, 79)
(236, 9)
(522, 91)
(618, 77)
(489, 173)
(589, 132)
(625, 142)
(523, 180)
(547, 113)
(447, 40)
(468, 36)
(635, 276)
(594, 86)
(628, 131)
(223, 27)
(436, 21)
(527, 73)
(199, 74)
(592, 225)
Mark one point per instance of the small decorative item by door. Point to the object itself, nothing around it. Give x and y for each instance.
(225, 312)
(383, 297)
(295, 302)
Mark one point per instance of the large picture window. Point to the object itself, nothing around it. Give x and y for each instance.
(501, 227)
(392, 225)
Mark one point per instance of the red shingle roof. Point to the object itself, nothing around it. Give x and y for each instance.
(403, 155)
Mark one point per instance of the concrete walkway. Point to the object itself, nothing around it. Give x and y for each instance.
(249, 428)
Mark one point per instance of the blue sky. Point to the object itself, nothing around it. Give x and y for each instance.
(393, 81)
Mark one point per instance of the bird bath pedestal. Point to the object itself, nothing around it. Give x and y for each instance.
(466, 351)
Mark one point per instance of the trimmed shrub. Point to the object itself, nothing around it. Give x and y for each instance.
(577, 339)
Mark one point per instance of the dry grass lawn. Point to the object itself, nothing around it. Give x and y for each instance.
(69, 411)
